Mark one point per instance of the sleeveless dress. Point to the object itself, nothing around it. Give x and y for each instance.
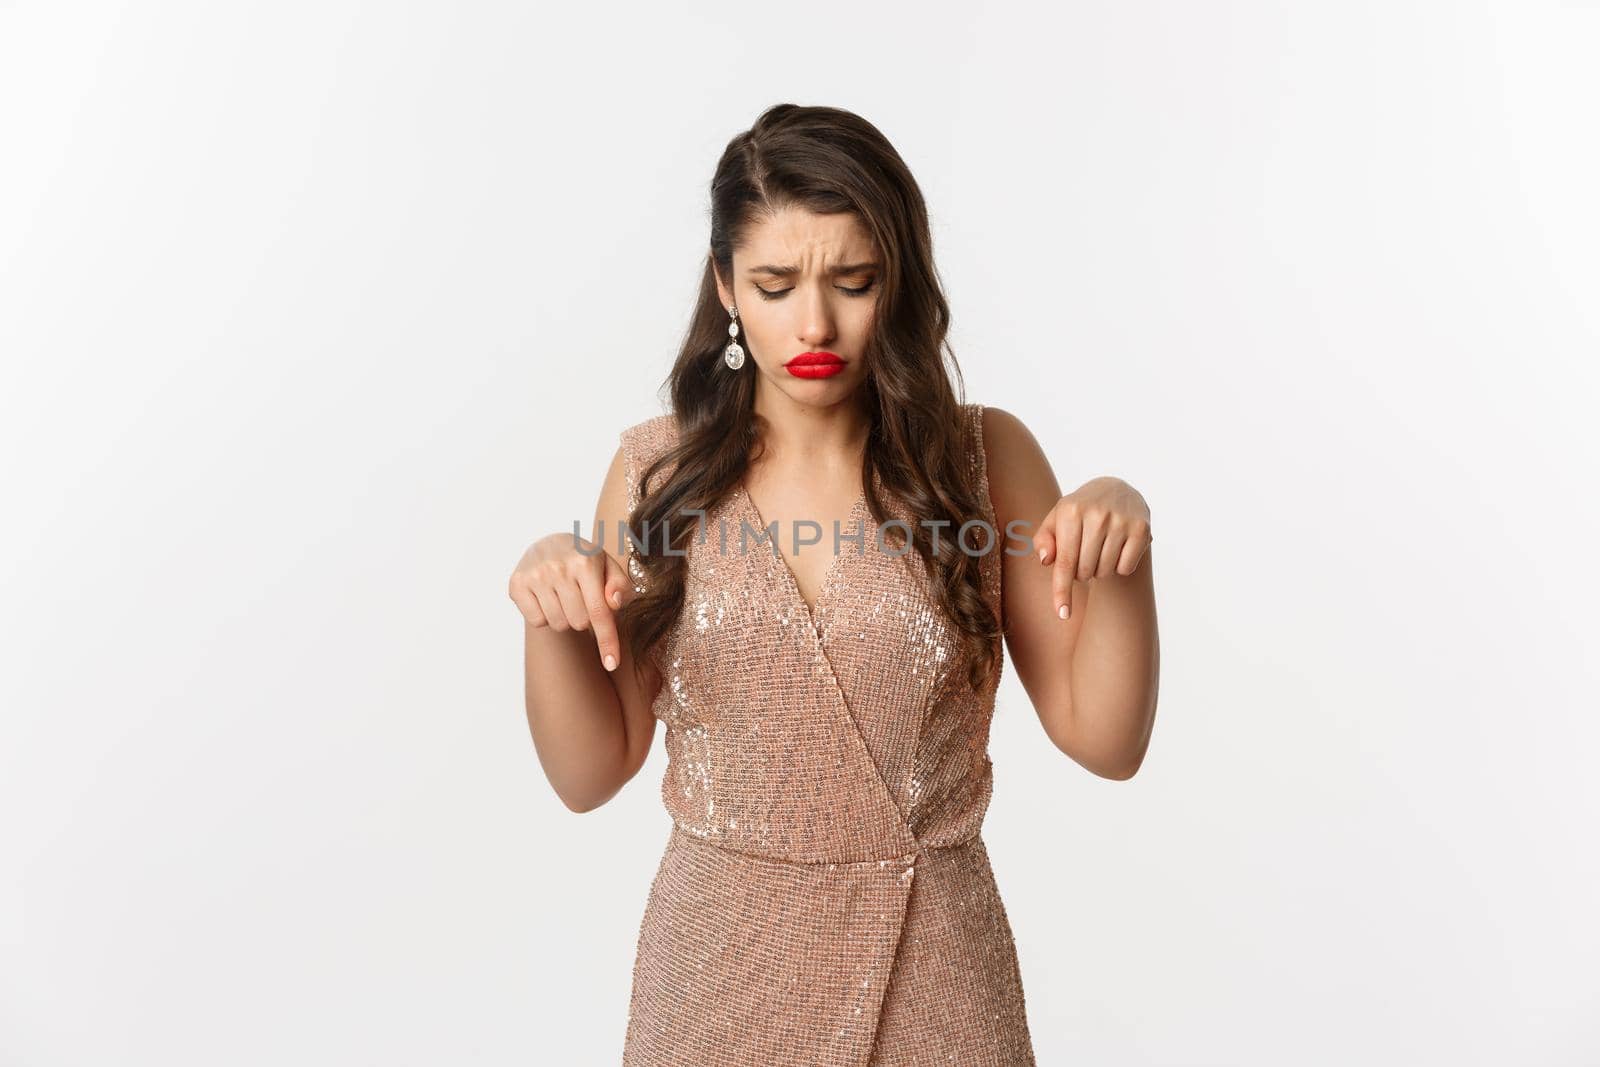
(824, 898)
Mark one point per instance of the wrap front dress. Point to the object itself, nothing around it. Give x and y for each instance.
(824, 897)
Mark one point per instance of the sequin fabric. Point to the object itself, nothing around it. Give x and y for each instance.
(825, 897)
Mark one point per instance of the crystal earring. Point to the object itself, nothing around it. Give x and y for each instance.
(733, 355)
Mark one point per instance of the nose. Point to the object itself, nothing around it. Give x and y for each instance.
(816, 322)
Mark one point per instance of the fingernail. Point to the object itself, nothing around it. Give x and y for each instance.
(1063, 611)
(616, 599)
(611, 662)
(1042, 553)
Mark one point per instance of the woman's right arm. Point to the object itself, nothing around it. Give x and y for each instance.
(592, 727)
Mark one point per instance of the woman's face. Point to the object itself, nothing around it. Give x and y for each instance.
(806, 286)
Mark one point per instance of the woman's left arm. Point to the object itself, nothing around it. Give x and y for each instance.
(1079, 600)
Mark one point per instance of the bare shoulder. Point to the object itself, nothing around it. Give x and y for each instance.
(1021, 482)
(616, 502)
(1005, 436)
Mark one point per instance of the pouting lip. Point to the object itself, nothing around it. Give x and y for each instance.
(814, 359)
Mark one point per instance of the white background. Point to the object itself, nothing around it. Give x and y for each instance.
(313, 316)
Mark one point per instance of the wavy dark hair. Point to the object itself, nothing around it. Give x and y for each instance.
(825, 160)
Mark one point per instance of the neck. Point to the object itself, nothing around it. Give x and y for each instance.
(811, 435)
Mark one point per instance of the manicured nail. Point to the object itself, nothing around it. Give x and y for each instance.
(1063, 611)
(611, 662)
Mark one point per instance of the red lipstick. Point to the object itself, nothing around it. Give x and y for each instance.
(815, 365)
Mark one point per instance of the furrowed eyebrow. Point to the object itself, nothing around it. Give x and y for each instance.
(789, 272)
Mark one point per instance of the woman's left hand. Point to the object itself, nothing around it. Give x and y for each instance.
(1099, 530)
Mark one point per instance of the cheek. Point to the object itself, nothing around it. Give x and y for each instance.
(861, 319)
(762, 324)
(764, 330)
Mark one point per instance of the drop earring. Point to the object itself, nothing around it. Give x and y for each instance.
(733, 355)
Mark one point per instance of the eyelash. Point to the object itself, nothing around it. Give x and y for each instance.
(777, 294)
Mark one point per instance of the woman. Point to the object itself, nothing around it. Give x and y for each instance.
(825, 896)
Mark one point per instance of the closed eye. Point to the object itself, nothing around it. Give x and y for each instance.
(778, 294)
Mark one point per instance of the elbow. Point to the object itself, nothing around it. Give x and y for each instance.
(1123, 772)
(1124, 765)
(584, 805)
(1111, 769)
(1124, 762)
(1115, 754)
(1117, 765)
(581, 802)
(598, 781)
(594, 792)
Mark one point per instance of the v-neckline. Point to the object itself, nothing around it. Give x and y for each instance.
(780, 562)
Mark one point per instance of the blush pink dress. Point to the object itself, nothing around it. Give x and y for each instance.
(825, 897)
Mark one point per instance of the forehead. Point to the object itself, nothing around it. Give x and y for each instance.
(796, 235)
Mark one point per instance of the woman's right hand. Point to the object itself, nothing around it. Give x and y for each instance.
(557, 585)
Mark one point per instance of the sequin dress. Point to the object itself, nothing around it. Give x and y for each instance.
(824, 897)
